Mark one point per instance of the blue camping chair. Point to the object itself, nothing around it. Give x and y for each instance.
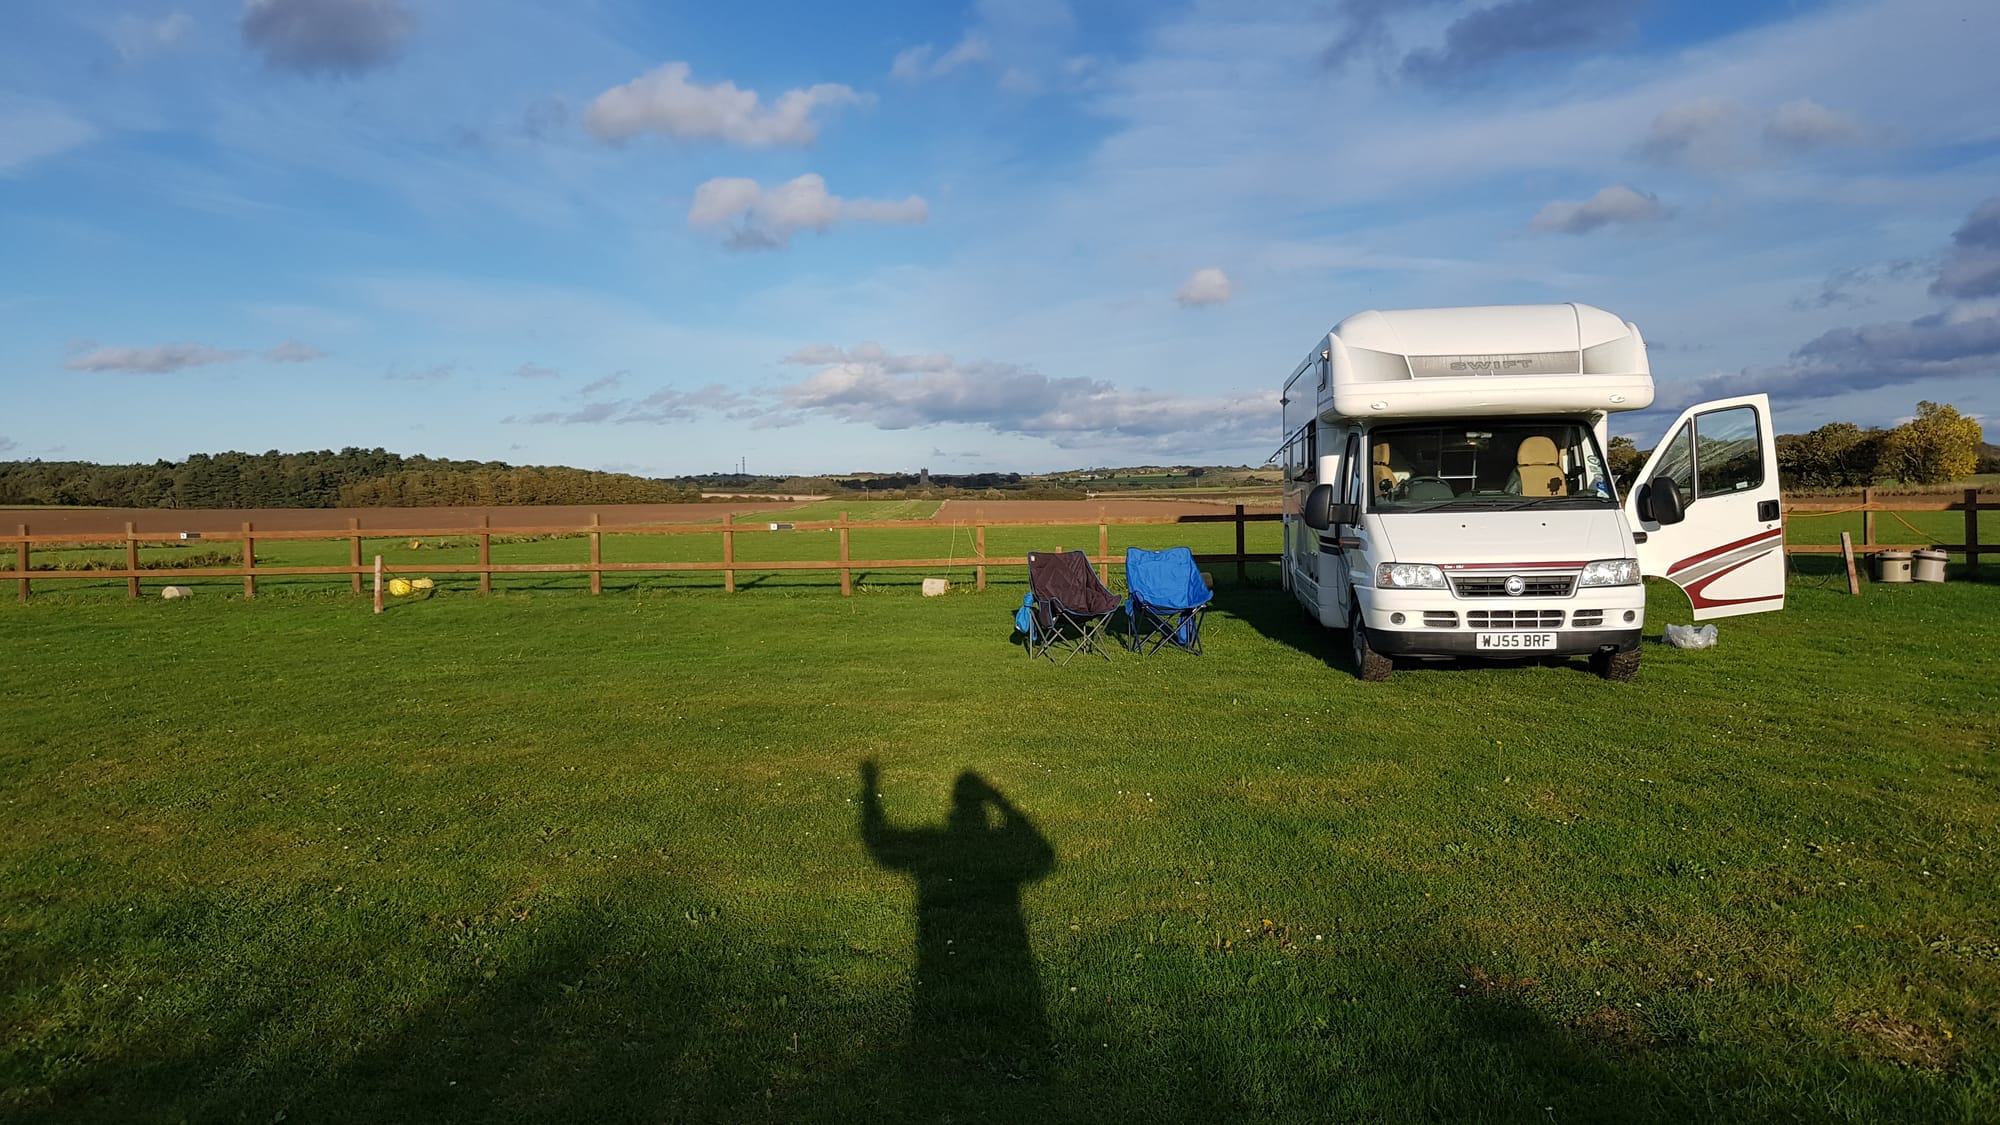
(1166, 600)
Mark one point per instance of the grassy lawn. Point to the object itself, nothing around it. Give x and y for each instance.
(550, 857)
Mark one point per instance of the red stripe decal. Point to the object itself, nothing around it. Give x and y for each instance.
(1702, 601)
(1724, 549)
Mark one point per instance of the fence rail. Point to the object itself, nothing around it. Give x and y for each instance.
(1971, 502)
(1868, 505)
(729, 565)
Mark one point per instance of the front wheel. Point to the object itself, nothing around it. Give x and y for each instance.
(1618, 667)
(1370, 666)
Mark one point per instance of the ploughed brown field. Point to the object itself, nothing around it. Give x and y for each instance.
(112, 521)
(1084, 511)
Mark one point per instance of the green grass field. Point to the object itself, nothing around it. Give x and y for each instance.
(543, 856)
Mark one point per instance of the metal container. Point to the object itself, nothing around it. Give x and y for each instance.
(1929, 566)
(1892, 566)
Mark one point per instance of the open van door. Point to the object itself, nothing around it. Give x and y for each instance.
(1707, 504)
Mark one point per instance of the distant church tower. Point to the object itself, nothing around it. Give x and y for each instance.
(923, 478)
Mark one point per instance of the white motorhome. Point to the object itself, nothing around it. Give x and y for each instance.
(1447, 492)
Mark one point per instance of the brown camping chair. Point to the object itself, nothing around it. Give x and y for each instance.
(1070, 606)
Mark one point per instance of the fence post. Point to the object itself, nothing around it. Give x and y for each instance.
(131, 562)
(1847, 553)
(378, 583)
(249, 563)
(979, 547)
(1242, 564)
(1103, 548)
(21, 561)
(728, 553)
(596, 557)
(1868, 517)
(486, 554)
(1973, 533)
(846, 575)
(354, 551)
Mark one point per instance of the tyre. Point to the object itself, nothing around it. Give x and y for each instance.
(1370, 666)
(1618, 667)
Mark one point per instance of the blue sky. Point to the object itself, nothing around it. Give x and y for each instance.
(659, 237)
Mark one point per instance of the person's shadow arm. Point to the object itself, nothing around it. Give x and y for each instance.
(887, 846)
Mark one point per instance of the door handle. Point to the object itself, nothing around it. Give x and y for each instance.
(1767, 510)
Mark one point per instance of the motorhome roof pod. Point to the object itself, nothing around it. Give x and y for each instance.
(1424, 363)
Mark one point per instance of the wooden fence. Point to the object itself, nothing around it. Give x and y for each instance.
(1869, 506)
(246, 541)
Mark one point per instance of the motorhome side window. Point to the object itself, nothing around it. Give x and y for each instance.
(1486, 463)
(1350, 477)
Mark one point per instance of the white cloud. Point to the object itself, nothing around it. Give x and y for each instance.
(1700, 132)
(6, 443)
(870, 386)
(1613, 205)
(36, 130)
(332, 37)
(136, 38)
(668, 404)
(599, 386)
(156, 360)
(663, 100)
(1205, 287)
(535, 371)
(916, 64)
(1805, 124)
(760, 219)
(291, 351)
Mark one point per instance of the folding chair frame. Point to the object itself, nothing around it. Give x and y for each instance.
(1147, 622)
(1073, 632)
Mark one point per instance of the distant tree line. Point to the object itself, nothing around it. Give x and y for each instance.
(894, 481)
(323, 479)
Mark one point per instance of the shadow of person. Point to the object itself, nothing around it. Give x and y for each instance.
(977, 999)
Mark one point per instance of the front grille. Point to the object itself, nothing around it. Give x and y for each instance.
(1440, 619)
(1495, 586)
(1587, 618)
(1512, 619)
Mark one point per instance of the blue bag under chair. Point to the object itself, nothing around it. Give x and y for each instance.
(1024, 618)
(1167, 599)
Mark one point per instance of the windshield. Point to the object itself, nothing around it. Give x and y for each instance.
(1486, 464)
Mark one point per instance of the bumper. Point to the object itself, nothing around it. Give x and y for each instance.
(1461, 642)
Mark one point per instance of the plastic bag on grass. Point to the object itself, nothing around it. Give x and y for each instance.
(1691, 636)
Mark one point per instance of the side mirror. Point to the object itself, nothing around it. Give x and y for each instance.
(1319, 507)
(1661, 499)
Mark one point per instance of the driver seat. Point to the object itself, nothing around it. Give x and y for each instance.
(1540, 469)
(1382, 471)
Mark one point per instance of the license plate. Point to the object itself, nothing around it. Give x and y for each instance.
(1515, 642)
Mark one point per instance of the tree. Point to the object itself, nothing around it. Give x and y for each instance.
(1626, 460)
(1938, 445)
(1837, 455)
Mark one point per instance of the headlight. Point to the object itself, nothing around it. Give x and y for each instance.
(1409, 576)
(1610, 572)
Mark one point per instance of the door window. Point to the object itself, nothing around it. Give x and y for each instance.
(1677, 463)
(1728, 456)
